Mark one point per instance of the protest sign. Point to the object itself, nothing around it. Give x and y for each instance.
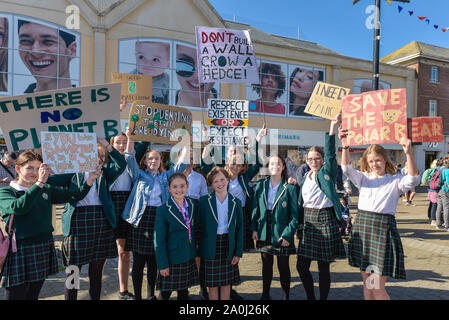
(70, 152)
(81, 109)
(225, 55)
(134, 87)
(227, 121)
(375, 117)
(427, 129)
(326, 100)
(159, 122)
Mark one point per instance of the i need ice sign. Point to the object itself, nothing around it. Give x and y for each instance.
(94, 109)
(227, 121)
(226, 55)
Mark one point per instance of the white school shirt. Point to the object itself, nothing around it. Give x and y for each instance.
(312, 195)
(92, 198)
(123, 182)
(222, 216)
(379, 194)
(155, 196)
(17, 186)
(197, 185)
(236, 190)
(271, 195)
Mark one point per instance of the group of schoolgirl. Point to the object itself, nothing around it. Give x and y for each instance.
(130, 204)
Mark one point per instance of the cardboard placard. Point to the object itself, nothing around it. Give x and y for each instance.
(326, 100)
(375, 117)
(227, 121)
(426, 129)
(81, 109)
(135, 87)
(226, 55)
(159, 123)
(70, 152)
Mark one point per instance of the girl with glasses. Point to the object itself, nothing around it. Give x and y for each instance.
(320, 213)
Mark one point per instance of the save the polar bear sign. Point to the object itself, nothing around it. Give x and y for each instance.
(375, 117)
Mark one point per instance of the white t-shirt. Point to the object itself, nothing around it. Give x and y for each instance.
(92, 198)
(379, 194)
(313, 196)
(123, 182)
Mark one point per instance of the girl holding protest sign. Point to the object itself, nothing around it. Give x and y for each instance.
(26, 205)
(221, 236)
(175, 241)
(320, 213)
(150, 190)
(375, 245)
(120, 192)
(88, 225)
(274, 222)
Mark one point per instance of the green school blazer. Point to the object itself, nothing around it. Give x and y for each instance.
(284, 219)
(209, 224)
(326, 178)
(171, 236)
(104, 183)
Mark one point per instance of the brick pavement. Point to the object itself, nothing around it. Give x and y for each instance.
(426, 261)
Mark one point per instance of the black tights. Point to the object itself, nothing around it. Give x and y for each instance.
(95, 277)
(26, 291)
(303, 267)
(284, 274)
(139, 262)
(182, 294)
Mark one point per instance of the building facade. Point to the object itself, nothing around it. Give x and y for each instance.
(157, 37)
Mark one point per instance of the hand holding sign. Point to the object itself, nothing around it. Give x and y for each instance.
(262, 133)
(44, 172)
(94, 175)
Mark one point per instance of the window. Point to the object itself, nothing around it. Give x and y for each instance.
(173, 66)
(433, 108)
(434, 74)
(36, 55)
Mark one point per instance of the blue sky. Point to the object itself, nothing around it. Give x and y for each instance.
(341, 26)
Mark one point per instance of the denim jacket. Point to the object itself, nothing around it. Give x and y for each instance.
(143, 183)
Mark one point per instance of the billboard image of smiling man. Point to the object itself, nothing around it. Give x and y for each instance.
(47, 53)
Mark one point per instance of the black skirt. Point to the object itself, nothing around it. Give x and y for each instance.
(375, 245)
(119, 198)
(321, 239)
(140, 238)
(182, 276)
(30, 263)
(219, 271)
(91, 237)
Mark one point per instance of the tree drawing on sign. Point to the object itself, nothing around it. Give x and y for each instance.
(134, 118)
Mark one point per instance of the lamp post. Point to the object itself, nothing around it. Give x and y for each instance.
(375, 81)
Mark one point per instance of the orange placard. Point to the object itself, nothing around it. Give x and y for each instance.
(427, 129)
(375, 117)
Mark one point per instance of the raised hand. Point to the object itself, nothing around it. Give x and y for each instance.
(44, 172)
(94, 175)
(406, 145)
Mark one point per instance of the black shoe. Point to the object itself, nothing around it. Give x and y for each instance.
(263, 297)
(125, 296)
(152, 298)
(204, 295)
(235, 295)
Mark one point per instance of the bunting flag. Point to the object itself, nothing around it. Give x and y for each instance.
(422, 18)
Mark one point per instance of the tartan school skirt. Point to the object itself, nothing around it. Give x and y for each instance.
(267, 247)
(375, 242)
(182, 276)
(31, 262)
(219, 272)
(119, 199)
(321, 238)
(140, 238)
(91, 237)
